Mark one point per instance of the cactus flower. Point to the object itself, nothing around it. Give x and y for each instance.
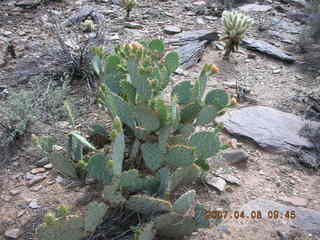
(233, 101)
(136, 45)
(214, 69)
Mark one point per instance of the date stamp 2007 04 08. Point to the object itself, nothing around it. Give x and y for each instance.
(252, 215)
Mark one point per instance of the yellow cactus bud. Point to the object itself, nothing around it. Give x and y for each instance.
(233, 101)
(214, 69)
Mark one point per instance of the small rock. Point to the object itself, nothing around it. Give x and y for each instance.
(38, 170)
(211, 18)
(36, 179)
(216, 182)
(219, 45)
(36, 188)
(199, 3)
(6, 198)
(171, 29)
(48, 166)
(230, 179)
(133, 25)
(230, 84)
(251, 56)
(115, 37)
(200, 20)
(318, 78)
(60, 180)
(34, 204)
(276, 71)
(13, 233)
(42, 162)
(63, 124)
(235, 156)
(57, 148)
(255, 8)
(296, 201)
(14, 192)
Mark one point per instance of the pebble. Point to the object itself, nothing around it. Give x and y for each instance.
(48, 166)
(42, 162)
(171, 29)
(38, 170)
(14, 192)
(34, 204)
(36, 188)
(13, 233)
(276, 71)
(36, 179)
(133, 25)
(234, 157)
(216, 182)
(200, 20)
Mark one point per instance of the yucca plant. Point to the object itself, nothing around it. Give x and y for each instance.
(128, 5)
(235, 26)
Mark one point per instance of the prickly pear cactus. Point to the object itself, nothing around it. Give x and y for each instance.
(71, 228)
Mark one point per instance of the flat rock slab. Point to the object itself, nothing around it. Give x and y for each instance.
(187, 37)
(267, 48)
(269, 128)
(255, 8)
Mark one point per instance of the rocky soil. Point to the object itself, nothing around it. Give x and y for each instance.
(249, 179)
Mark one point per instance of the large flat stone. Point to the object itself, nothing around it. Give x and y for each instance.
(267, 48)
(269, 128)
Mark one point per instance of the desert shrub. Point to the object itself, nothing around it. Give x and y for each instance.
(154, 147)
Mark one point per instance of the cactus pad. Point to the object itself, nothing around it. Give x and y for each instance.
(207, 114)
(152, 156)
(206, 143)
(184, 175)
(217, 97)
(97, 168)
(180, 156)
(148, 205)
(184, 202)
(62, 164)
(71, 228)
(94, 216)
(173, 225)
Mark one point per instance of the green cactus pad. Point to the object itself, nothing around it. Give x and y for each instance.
(94, 216)
(112, 75)
(62, 164)
(75, 149)
(146, 118)
(71, 228)
(180, 156)
(112, 196)
(128, 91)
(148, 205)
(217, 97)
(184, 202)
(138, 80)
(157, 45)
(152, 156)
(190, 112)
(172, 61)
(150, 185)
(206, 143)
(131, 181)
(173, 225)
(97, 168)
(164, 134)
(186, 129)
(207, 114)
(200, 217)
(200, 85)
(183, 176)
(177, 140)
(163, 175)
(82, 140)
(183, 91)
(117, 155)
